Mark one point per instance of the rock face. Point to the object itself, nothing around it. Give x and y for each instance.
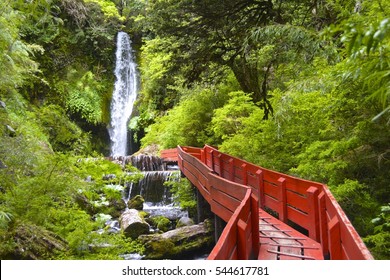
(179, 243)
(132, 224)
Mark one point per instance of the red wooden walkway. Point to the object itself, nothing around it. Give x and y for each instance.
(243, 195)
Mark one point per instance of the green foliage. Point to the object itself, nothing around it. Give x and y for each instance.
(64, 135)
(5, 219)
(16, 62)
(97, 168)
(329, 101)
(382, 222)
(367, 45)
(108, 8)
(321, 68)
(380, 241)
(187, 123)
(356, 200)
(85, 98)
(183, 193)
(157, 75)
(227, 120)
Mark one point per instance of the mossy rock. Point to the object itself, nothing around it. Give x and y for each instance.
(161, 222)
(144, 215)
(178, 243)
(184, 221)
(117, 206)
(84, 203)
(136, 202)
(159, 249)
(31, 242)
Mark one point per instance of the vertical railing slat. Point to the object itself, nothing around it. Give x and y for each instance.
(335, 239)
(312, 197)
(283, 199)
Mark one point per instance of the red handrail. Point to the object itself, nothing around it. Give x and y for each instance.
(232, 202)
(232, 186)
(169, 155)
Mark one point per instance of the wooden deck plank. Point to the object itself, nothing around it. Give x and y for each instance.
(278, 241)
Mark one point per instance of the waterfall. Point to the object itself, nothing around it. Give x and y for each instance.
(124, 95)
(157, 195)
(146, 162)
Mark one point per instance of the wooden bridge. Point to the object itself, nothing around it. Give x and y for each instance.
(268, 215)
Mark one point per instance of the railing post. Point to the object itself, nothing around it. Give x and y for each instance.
(283, 199)
(212, 160)
(203, 157)
(244, 174)
(255, 224)
(260, 186)
(243, 250)
(220, 173)
(335, 239)
(231, 169)
(312, 196)
(323, 224)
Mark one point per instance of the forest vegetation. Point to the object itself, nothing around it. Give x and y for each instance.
(300, 87)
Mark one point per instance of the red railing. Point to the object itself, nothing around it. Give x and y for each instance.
(235, 189)
(169, 155)
(239, 208)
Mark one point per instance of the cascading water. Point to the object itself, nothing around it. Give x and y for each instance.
(158, 198)
(124, 95)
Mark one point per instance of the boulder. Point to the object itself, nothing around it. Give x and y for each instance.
(179, 243)
(184, 221)
(2, 105)
(137, 202)
(132, 224)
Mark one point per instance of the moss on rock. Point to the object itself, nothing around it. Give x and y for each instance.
(179, 243)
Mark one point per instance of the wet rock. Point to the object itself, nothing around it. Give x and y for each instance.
(109, 177)
(10, 131)
(132, 224)
(184, 221)
(179, 243)
(137, 202)
(113, 226)
(146, 162)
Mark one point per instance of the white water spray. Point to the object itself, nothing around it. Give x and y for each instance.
(124, 95)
